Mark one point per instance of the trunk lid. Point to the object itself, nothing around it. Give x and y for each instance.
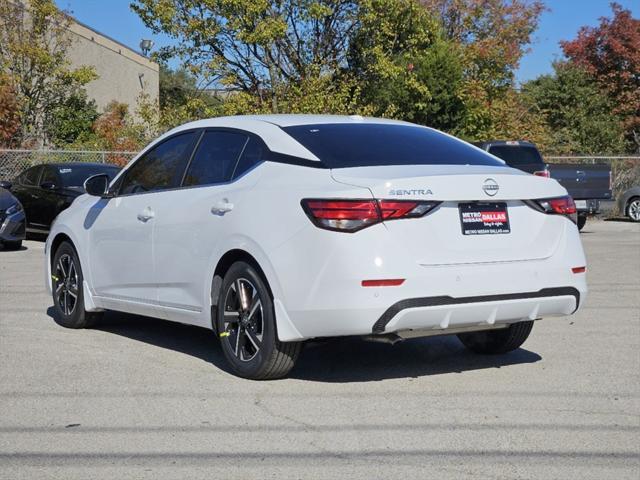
(437, 238)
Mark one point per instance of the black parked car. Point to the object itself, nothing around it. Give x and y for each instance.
(45, 190)
(12, 221)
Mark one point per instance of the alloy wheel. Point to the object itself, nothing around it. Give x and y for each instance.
(243, 319)
(66, 284)
(634, 210)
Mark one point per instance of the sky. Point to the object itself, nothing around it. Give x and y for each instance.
(115, 19)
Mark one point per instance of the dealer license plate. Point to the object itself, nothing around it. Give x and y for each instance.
(484, 218)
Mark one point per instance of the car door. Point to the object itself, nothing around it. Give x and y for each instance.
(121, 228)
(193, 219)
(26, 190)
(50, 196)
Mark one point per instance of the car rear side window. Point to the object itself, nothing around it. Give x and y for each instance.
(342, 145)
(215, 158)
(31, 176)
(517, 155)
(161, 167)
(254, 152)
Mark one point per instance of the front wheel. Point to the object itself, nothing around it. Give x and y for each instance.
(68, 294)
(247, 328)
(497, 341)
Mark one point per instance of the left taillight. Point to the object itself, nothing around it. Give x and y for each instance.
(351, 215)
(558, 206)
(543, 173)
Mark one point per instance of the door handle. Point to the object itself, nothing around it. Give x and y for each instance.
(146, 215)
(222, 207)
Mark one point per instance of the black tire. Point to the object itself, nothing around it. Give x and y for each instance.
(582, 220)
(12, 245)
(497, 341)
(246, 325)
(68, 295)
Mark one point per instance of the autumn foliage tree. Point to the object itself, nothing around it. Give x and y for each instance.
(9, 114)
(115, 132)
(610, 53)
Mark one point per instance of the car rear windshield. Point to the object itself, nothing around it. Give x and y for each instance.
(341, 145)
(517, 155)
(75, 175)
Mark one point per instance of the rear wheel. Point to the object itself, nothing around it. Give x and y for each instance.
(68, 295)
(633, 209)
(247, 328)
(582, 220)
(497, 341)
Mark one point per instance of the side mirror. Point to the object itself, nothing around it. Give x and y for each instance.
(97, 185)
(6, 184)
(48, 186)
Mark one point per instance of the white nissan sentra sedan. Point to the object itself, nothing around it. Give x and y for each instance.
(271, 230)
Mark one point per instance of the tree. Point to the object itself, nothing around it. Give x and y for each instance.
(255, 46)
(610, 53)
(9, 113)
(493, 33)
(176, 87)
(33, 46)
(406, 69)
(72, 120)
(579, 114)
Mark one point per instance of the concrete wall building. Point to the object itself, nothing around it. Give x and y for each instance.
(124, 74)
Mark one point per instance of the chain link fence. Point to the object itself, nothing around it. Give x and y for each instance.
(625, 169)
(13, 162)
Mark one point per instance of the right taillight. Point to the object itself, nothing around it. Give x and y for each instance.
(558, 206)
(543, 173)
(351, 215)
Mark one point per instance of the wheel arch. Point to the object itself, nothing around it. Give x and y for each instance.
(286, 331)
(56, 242)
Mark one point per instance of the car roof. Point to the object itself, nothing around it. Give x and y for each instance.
(269, 128)
(81, 164)
(291, 120)
(507, 143)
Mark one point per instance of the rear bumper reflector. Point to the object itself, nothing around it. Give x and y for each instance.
(393, 282)
(579, 269)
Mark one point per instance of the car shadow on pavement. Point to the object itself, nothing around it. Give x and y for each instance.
(352, 359)
(336, 360)
(3, 249)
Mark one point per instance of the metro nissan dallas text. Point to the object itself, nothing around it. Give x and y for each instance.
(271, 230)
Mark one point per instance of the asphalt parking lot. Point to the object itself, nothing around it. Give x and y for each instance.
(143, 398)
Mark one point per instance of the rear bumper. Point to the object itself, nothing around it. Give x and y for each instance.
(589, 206)
(323, 295)
(446, 312)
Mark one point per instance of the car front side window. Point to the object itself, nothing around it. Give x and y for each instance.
(161, 168)
(50, 176)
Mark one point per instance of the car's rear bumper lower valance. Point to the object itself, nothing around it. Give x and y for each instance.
(447, 301)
